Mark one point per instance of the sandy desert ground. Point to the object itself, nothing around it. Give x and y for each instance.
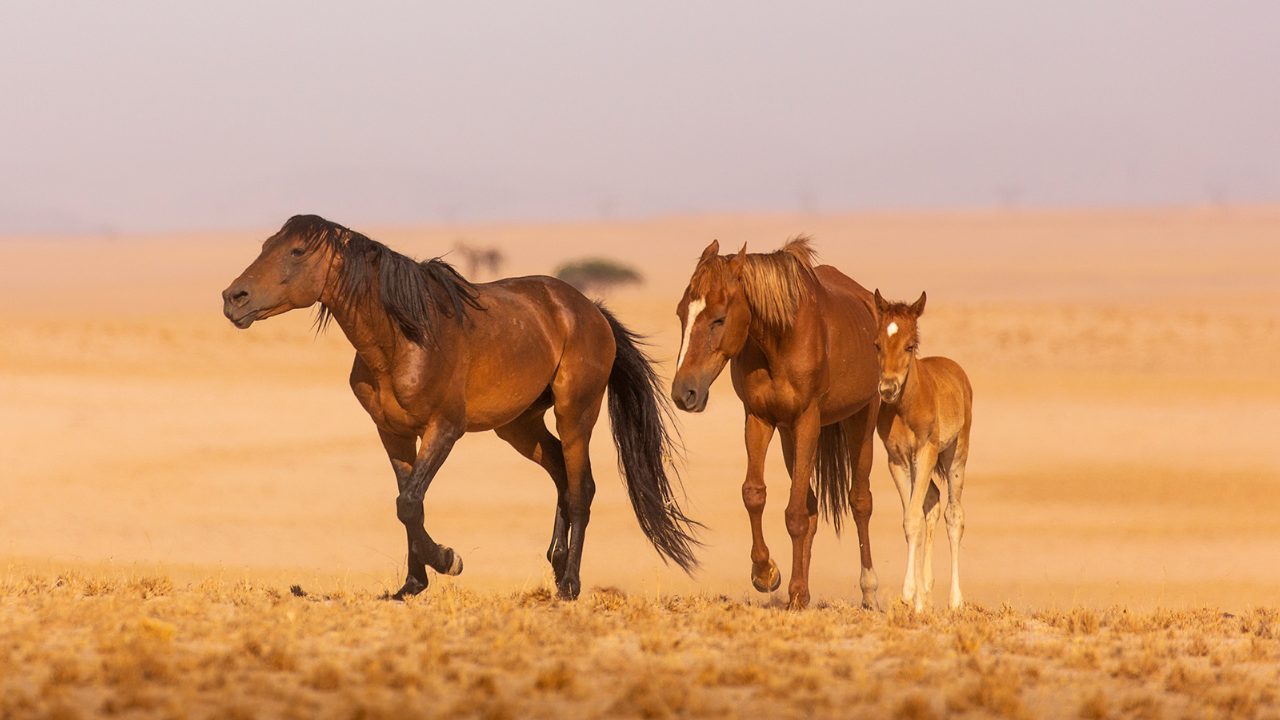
(1122, 492)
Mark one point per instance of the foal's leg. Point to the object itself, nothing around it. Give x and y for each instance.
(799, 520)
(529, 435)
(900, 469)
(932, 513)
(413, 482)
(922, 466)
(764, 571)
(576, 420)
(955, 514)
(860, 436)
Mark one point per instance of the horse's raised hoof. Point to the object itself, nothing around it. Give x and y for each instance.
(569, 589)
(412, 587)
(455, 563)
(770, 581)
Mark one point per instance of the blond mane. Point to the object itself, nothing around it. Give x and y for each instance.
(775, 283)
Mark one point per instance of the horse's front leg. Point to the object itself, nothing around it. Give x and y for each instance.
(423, 551)
(922, 466)
(801, 513)
(765, 577)
(900, 470)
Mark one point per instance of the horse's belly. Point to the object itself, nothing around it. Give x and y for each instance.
(503, 388)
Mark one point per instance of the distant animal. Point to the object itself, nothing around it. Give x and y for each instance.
(438, 357)
(481, 260)
(801, 341)
(926, 414)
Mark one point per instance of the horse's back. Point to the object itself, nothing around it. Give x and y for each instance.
(846, 288)
(547, 298)
(569, 319)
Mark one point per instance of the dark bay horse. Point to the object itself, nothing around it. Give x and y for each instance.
(801, 340)
(437, 357)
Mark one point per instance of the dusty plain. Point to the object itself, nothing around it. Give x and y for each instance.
(166, 479)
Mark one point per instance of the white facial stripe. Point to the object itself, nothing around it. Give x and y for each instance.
(695, 309)
(892, 329)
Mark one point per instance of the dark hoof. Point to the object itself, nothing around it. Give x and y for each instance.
(412, 587)
(569, 589)
(770, 581)
(454, 568)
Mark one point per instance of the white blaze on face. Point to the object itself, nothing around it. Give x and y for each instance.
(695, 309)
(892, 329)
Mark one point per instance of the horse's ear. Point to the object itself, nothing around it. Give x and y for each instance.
(917, 308)
(737, 262)
(712, 251)
(881, 304)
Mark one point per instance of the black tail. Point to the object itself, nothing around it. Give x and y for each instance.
(833, 474)
(647, 450)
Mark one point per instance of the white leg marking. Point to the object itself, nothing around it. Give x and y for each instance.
(695, 309)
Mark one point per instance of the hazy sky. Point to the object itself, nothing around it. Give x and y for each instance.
(130, 116)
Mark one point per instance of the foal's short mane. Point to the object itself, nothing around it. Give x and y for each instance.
(775, 283)
(900, 310)
(414, 294)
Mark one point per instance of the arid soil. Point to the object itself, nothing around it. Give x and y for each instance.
(78, 646)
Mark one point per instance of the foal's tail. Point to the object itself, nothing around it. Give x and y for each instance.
(639, 415)
(833, 474)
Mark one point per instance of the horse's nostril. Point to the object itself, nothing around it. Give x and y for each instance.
(239, 297)
(690, 398)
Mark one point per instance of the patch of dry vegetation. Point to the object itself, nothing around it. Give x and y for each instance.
(74, 647)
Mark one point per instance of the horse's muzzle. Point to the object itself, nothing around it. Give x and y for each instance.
(690, 396)
(234, 301)
(890, 392)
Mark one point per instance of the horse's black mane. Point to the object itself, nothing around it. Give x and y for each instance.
(413, 293)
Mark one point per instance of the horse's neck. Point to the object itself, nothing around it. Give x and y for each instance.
(370, 332)
(916, 390)
(778, 346)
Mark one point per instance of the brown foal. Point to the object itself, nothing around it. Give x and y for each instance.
(438, 357)
(801, 342)
(925, 418)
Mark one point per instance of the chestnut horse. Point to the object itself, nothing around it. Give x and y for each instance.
(801, 341)
(437, 357)
(926, 413)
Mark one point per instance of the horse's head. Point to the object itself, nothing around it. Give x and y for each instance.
(716, 319)
(897, 340)
(289, 274)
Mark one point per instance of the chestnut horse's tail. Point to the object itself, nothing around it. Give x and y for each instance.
(833, 474)
(646, 449)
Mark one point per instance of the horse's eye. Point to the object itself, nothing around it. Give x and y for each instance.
(717, 323)
(298, 252)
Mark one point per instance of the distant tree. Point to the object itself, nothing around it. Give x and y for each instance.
(598, 274)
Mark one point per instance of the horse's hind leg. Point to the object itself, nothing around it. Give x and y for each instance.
(860, 435)
(576, 415)
(529, 435)
(955, 513)
(932, 513)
